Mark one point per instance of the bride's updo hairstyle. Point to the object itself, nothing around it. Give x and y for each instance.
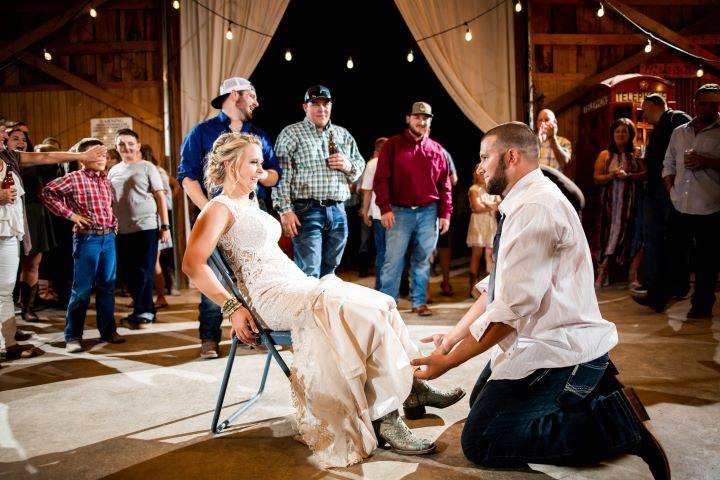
(225, 152)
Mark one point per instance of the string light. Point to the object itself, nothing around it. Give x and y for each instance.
(288, 55)
(93, 12)
(229, 34)
(48, 56)
(648, 47)
(601, 11)
(350, 63)
(410, 56)
(700, 72)
(468, 33)
(176, 4)
(518, 6)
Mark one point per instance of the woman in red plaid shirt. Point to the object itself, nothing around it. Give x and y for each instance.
(85, 198)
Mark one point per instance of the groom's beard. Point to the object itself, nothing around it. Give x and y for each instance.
(499, 182)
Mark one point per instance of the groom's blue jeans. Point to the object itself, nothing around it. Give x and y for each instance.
(555, 415)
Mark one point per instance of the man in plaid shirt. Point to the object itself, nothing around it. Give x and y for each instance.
(85, 198)
(314, 185)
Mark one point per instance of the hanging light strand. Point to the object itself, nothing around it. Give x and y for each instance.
(230, 20)
(176, 4)
(463, 24)
(600, 11)
(47, 55)
(518, 7)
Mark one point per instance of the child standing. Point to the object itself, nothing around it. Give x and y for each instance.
(85, 198)
(483, 224)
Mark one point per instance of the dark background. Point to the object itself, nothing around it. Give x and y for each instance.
(372, 99)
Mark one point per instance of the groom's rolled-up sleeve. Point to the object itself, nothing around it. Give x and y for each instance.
(524, 267)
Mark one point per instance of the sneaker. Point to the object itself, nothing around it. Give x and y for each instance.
(650, 449)
(209, 349)
(114, 338)
(73, 346)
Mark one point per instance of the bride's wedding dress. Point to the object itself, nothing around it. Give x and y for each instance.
(352, 351)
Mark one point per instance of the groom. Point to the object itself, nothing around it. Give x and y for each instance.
(549, 394)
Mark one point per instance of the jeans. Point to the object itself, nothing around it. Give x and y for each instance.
(699, 231)
(321, 238)
(94, 265)
(9, 262)
(379, 235)
(571, 415)
(416, 228)
(138, 251)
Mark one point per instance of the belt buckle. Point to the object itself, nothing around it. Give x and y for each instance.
(322, 203)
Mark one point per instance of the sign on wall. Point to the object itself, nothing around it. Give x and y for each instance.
(104, 129)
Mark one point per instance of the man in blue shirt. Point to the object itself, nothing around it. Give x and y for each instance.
(237, 100)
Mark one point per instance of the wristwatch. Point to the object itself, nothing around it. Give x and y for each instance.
(164, 227)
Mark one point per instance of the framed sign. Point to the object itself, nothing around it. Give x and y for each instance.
(104, 129)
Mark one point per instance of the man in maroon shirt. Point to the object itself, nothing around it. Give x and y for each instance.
(413, 190)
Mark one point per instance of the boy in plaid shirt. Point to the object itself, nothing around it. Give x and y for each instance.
(85, 198)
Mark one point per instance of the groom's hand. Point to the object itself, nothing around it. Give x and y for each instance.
(435, 366)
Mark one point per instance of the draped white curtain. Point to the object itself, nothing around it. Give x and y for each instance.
(206, 57)
(479, 75)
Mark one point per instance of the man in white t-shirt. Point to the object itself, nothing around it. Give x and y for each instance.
(371, 212)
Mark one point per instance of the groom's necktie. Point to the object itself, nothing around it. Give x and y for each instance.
(496, 247)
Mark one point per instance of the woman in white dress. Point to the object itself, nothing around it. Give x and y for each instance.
(351, 363)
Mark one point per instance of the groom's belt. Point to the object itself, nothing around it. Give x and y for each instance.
(318, 203)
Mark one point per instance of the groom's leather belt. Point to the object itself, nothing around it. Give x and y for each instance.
(317, 203)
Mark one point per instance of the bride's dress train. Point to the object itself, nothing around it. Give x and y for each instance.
(352, 351)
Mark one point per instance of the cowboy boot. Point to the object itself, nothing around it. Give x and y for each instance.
(27, 299)
(391, 430)
(425, 395)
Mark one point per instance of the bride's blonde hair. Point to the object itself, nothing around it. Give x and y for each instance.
(225, 151)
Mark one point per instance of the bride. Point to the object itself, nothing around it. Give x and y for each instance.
(351, 364)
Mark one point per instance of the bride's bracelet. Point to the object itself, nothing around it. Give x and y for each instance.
(230, 306)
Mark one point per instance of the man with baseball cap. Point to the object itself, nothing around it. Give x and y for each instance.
(310, 196)
(414, 193)
(236, 101)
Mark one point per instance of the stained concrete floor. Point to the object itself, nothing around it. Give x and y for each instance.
(143, 409)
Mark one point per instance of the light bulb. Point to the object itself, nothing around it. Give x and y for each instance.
(648, 47)
(349, 63)
(93, 12)
(468, 34)
(48, 56)
(601, 11)
(518, 6)
(410, 56)
(700, 72)
(176, 4)
(229, 34)
(288, 55)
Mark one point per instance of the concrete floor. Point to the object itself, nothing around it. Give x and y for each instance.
(143, 409)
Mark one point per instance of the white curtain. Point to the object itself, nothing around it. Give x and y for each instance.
(479, 75)
(206, 57)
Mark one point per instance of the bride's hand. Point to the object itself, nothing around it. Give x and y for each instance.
(244, 326)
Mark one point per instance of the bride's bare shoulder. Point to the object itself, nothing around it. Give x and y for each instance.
(215, 215)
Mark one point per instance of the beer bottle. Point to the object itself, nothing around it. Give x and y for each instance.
(332, 146)
(8, 181)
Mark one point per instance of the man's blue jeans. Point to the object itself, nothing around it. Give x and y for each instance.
(321, 238)
(554, 415)
(94, 263)
(415, 228)
(379, 234)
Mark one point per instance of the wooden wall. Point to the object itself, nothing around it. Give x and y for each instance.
(118, 51)
(570, 43)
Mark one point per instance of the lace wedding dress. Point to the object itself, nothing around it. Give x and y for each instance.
(352, 351)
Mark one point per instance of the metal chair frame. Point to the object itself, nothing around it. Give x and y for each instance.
(269, 338)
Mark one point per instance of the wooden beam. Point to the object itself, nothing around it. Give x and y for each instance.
(99, 48)
(47, 28)
(95, 91)
(661, 30)
(601, 39)
(45, 87)
(54, 7)
(567, 99)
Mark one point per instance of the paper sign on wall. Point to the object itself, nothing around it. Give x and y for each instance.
(104, 129)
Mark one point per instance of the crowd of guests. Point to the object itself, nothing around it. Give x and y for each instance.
(119, 205)
(71, 215)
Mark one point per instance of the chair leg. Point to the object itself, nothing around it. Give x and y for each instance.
(250, 402)
(223, 386)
